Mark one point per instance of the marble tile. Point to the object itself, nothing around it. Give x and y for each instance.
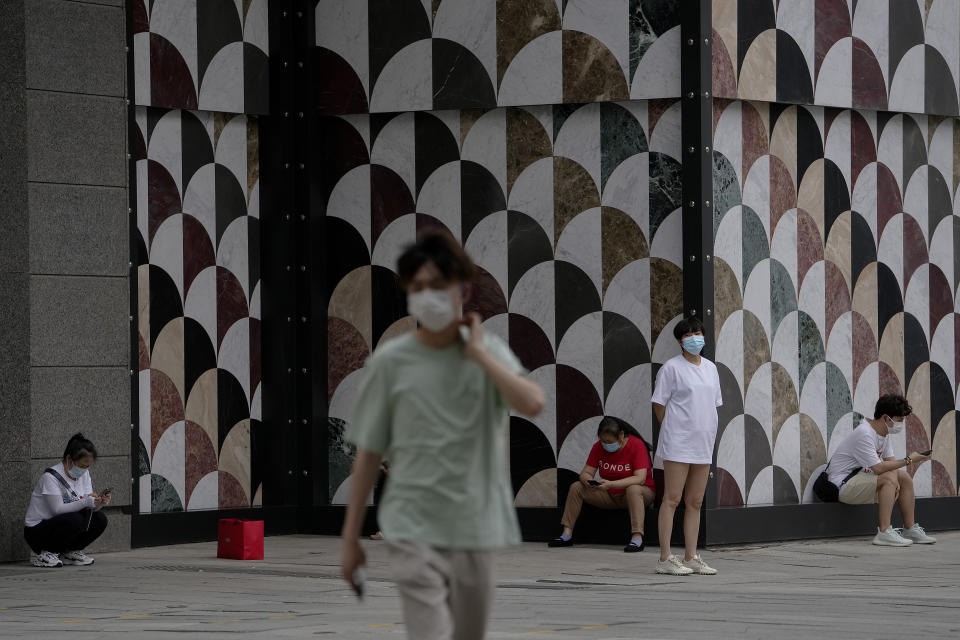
(472, 24)
(531, 77)
(533, 296)
(577, 401)
(580, 139)
(606, 22)
(518, 24)
(907, 85)
(540, 490)
(350, 301)
(729, 347)
(622, 242)
(666, 302)
(658, 73)
(758, 71)
(731, 450)
(574, 192)
(627, 189)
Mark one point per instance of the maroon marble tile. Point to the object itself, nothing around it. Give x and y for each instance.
(231, 302)
(755, 137)
(232, 495)
(889, 382)
(198, 253)
(719, 106)
(163, 197)
(831, 23)
(143, 354)
(783, 193)
(486, 296)
(809, 244)
(914, 248)
(724, 75)
(656, 109)
(171, 82)
(390, 198)
(865, 349)
(837, 295)
(889, 199)
(943, 484)
(728, 493)
(529, 342)
(200, 456)
(166, 406)
(869, 86)
(347, 351)
(577, 400)
(917, 439)
(941, 297)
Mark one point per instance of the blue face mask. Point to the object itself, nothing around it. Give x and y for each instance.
(693, 344)
(610, 447)
(76, 472)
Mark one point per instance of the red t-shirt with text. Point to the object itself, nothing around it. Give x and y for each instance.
(616, 466)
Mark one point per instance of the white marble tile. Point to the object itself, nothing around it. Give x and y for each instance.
(256, 404)
(658, 74)
(728, 242)
(581, 347)
(406, 82)
(867, 390)
(440, 196)
(487, 245)
(579, 140)
(169, 458)
(201, 303)
(838, 145)
(166, 146)
(784, 349)
(871, 23)
(534, 75)
(666, 136)
(942, 251)
(142, 92)
(350, 201)
(758, 400)
(576, 446)
(221, 88)
(917, 298)
(342, 494)
(761, 491)
(943, 348)
(628, 294)
(486, 144)
(534, 297)
(728, 137)
(342, 27)
(393, 240)
(233, 253)
(628, 189)
(812, 402)
(731, 451)
(166, 250)
(890, 249)
(783, 244)
(256, 25)
(666, 345)
(839, 347)
(546, 377)
(143, 412)
(395, 149)
(234, 354)
(916, 199)
(811, 300)
(864, 197)
(943, 21)
(890, 148)
(834, 82)
(787, 452)
(341, 405)
(580, 244)
(906, 88)
(940, 154)
(532, 194)
(200, 199)
(206, 495)
(796, 18)
(629, 399)
(471, 23)
(143, 201)
(729, 347)
(231, 150)
(756, 295)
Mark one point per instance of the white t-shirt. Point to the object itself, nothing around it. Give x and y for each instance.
(691, 394)
(39, 509)
(864, 447)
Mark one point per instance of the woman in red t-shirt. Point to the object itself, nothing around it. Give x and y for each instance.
(626, 482)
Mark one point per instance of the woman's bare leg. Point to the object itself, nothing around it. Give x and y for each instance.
(674, 477)
(692, 500)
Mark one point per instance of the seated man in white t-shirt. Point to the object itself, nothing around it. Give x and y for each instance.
(882, 478)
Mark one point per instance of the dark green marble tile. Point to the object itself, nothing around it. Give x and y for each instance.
(340, 454)
(811, 346)
(163, 497)
(726, 188)
(756, 247)
(839, 402)
(666, 189)
(783, 297)
(621, 136)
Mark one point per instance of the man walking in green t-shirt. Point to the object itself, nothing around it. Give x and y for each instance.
(436, 402)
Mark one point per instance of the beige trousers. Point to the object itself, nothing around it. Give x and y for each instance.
(635, 499)
(445, 594)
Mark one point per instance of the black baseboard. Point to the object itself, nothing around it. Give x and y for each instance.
(776, 523)
(156, 529)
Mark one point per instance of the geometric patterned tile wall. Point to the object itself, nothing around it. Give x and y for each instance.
(209, 54)
(897, 55)
(572, 213)
(836, 279)
(199, 310)
(414, 55)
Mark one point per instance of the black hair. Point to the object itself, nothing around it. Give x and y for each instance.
(610, 426)
(79, 447)
(893, 405)
(692, 324)
(440, 249)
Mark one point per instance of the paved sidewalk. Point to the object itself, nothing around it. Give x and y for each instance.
(824, 589)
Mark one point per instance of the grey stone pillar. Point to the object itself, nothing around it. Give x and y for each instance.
(64, 250)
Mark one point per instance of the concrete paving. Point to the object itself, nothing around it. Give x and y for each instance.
(817, 589)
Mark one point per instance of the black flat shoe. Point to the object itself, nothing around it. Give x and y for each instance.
(633, 547)
(560, 542)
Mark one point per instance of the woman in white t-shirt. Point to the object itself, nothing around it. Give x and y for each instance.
(64, 514)
(685, 401)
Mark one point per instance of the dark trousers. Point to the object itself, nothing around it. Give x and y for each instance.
(66, 532)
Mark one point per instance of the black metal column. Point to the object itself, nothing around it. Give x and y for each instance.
(697, 139)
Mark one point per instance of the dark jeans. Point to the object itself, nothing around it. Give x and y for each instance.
(66, 532)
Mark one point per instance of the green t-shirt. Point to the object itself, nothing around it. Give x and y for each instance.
(442, 424)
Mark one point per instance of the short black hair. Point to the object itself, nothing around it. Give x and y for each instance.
(440, 249)
(79, 447)
(611, 426)
(687, 325)
(893, 405)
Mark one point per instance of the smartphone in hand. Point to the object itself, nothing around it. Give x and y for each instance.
(593, 483)
(926, 453)
(106, 491)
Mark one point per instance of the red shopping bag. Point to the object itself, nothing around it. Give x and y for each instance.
(240, 539)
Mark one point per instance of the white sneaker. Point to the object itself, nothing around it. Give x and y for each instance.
(697, 565)
(78, 558)
(45, 559)
(917, 535)
(672, 566)
(890, 538)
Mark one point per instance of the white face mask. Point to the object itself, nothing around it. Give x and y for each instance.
(893, 427)
(432, 308)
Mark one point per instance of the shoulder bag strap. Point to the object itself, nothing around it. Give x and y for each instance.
(62, 481)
